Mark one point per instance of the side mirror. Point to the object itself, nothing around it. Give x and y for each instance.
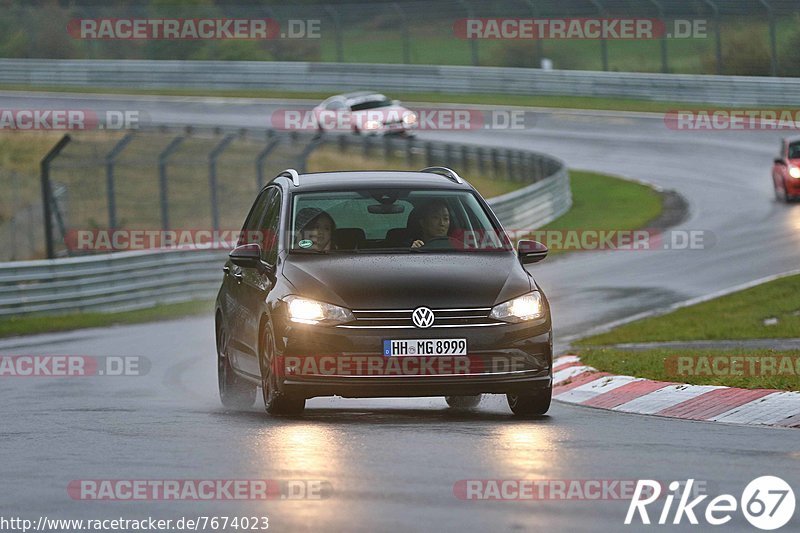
(246, 255)
(779, 162)
(530, 252)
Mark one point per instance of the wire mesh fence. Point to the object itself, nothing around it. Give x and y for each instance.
(748, 37)
(190, 180)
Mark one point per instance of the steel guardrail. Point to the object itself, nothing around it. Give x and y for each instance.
(307, 76)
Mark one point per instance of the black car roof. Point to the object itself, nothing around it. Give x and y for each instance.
(345, 180)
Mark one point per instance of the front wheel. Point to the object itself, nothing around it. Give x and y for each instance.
(234, 392)
(276, 402)
(531, 404)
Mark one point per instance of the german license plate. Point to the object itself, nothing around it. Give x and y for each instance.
(424, 347)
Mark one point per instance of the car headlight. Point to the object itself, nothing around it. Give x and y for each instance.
(307, 311)
(794, 172)
(526, 307)
(409, 119)
(372, 125)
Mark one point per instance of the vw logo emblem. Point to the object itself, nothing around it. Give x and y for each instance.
(422, 317)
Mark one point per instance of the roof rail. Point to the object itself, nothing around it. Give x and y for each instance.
(291, 173)
(444, 171)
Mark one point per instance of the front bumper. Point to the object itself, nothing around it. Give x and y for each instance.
(508, 358)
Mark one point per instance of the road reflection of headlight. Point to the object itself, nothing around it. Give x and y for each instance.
(525, 449)
(303, 450)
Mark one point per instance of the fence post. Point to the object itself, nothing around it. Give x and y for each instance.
(718, 31)
(302, 162)
(47, 193)
(212, 177)
(473, 43)
(773, 39)
(603, 42)
(663, 39)
(429, 162)
(162, 178)
(111, 159)
(405, 34)
(337, 28)
(262, 156)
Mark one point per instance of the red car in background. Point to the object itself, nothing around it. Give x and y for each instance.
(786, 170)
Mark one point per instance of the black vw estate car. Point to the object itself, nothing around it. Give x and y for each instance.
(380, 284)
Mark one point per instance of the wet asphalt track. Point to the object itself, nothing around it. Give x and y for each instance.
(393, 463)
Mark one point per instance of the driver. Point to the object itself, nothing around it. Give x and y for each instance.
(434, 222)
(315, 229)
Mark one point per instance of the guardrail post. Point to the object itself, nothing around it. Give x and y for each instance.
(111, 159)
(387, 148)
(495, 163)
(479, 157)
(367, 145)
(162, 178)
(448, 159)
(510, 166)
(261, 157)
(409, 149)
(47, 193)
(464, 158)
(212, 176)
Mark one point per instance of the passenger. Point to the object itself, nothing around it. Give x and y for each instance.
(315, 228)
(433, 222)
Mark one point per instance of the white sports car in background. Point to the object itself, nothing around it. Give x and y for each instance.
(366, 113)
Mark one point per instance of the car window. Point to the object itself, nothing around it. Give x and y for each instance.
(371, 104)
(794, 150)
(270, 227)
(335, 104)
(390, 219)
(252, 223)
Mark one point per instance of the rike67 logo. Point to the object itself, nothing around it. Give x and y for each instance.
(767, 502)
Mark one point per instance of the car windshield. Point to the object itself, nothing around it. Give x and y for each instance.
(794, 150)
(393, 220)
(372, 103)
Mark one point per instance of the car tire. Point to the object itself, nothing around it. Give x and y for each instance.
(532, 404)
(234, 392)
(276, 402)
(463, 402)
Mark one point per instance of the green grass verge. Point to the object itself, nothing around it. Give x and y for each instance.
(30, 325)
(657, 365)
(603, 202)
(736, 316)
(571, 102)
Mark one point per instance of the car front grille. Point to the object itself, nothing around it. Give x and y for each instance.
(401, 318)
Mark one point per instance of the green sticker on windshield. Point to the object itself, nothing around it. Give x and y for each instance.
(305, 243)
